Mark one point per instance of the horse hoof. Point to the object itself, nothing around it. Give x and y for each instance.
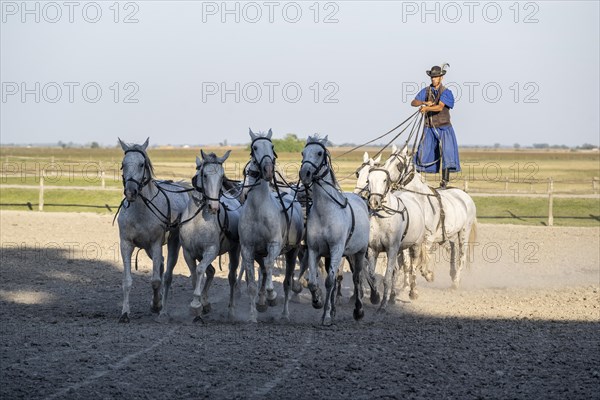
(413, 295)
(285, 318)
(382, 310)
(156, 308)
(454, 285)
(124, 319)
(261, 307)
(392, 299)
(359, 314)
(272, 302)
(206, 309)
(429, 276)
(327, 321)
(163, 318)
(318, 304)
(296, 287)
(375, 298)
(199, 319)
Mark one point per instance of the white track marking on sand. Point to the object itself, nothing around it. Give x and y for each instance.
(283, 372)
(111, 368)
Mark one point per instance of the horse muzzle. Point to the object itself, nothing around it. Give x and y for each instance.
(131, 191)
(213, 206)
(306, 174)
(374, 202)
(268, 170)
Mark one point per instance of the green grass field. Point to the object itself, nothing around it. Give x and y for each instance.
(486, 171)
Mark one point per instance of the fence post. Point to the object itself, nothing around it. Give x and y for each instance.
(466, 186)
(506, 184)
(550, 201)
(595, 183)
(102, 181)
(41, 198)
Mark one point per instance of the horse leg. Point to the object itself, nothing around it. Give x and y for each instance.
(274, 251)
(313, 284)
(455, 247)
(302, 256)
(248, 266)
(210, 274)
(359, 263)
(200, 298)
(372, 280)
(388, 280)
(261, 303)
(332, 265)
(158, 266)
(126, 253)
(234, 261)
(414, 257)
(173, 246)
(290, 264)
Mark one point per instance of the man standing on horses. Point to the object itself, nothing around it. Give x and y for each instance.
(438, 145)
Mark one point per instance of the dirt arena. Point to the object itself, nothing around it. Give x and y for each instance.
(524, 324)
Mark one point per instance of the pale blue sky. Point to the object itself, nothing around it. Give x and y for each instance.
(543, 56)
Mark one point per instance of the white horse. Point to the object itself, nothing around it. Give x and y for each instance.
(397, 227)
(450, 213)
(148, 217)
(269, 226)
(210, 228)
(337, 226)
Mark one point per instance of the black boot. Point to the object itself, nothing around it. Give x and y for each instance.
(445, 178)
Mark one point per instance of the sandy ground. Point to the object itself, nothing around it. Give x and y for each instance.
(524, 324)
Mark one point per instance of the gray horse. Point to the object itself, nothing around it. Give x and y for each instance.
(337, 226)
(209, 229)
(148, 217)
(269, 226)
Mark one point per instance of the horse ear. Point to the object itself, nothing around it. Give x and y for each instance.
(325, 139)
(378, 159)
(394, 148)
(198, 161)
(404, 150)
(309, 139)
(203, 154)
(252, 135)
(123, 145)
(371, 162)
(145, 145)
(269, 134)
(222, 159)
(365, 157)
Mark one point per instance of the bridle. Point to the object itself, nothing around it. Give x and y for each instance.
(145, 179)
(267, 156)
(324, 163)
(388, 184)
(200, 187)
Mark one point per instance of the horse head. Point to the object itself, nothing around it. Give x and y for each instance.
(378, 185)
(398, 163)
(263, 153)
(136, 167)
(315, 160)
(251, 177)
(209, 178)
(363, 172)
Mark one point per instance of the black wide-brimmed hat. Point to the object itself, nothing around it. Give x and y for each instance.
(436, 71)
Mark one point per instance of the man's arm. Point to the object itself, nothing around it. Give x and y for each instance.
(417, 103)
(433, 108)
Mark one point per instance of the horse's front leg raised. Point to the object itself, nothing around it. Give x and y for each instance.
(126, 253)
(313, 284)
(200, 302)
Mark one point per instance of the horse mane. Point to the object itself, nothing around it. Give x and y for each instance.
(211, 158)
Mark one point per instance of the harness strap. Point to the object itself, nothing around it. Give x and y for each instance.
(353, 224)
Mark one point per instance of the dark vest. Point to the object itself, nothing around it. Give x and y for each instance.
(437, 119)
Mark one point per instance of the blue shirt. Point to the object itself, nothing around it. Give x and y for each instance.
(447, 97)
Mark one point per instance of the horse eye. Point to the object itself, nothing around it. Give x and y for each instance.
(141, 165)
(254, 147)
(356, 173)
(320, 153)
